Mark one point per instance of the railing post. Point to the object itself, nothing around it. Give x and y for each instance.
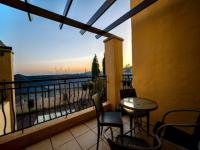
(114, 69)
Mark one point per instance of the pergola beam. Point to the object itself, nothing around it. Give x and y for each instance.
(144, 4)
(107, 4)
(20, 5)
(66, 10)
(29, 15)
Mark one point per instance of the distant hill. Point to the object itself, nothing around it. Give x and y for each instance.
(21, 77)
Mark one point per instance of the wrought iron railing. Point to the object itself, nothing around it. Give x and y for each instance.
(127, 81)
(27, 103)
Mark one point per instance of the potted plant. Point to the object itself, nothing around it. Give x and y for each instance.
(90, 85)
(84, 86)
(31, 103)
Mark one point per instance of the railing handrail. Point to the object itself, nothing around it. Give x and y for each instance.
(126, 80)
(43, 80)
(127, 74)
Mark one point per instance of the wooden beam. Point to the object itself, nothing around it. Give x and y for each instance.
(144, 4)
(66, 10)
(107, 4)
(20, 5)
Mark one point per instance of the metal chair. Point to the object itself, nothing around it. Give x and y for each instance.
(112, 119)
(174, 134)
(132, 93)
(126, 142)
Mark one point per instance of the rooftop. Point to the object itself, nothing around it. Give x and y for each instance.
(2, 44)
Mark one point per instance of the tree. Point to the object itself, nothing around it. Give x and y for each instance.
(103, 65)
(95, 67)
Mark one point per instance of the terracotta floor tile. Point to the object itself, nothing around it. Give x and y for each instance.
(61, 138)
(43, 145)
(70, 145)
(87, 140)
(79, 130)
(102, 146)
(92, 123)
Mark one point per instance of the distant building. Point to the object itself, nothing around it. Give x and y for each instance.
(2, 44)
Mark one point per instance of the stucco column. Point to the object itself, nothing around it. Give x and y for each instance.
(6, 74)
(114, 66)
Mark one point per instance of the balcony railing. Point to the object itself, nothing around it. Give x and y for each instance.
(127, 81)
(34, 102)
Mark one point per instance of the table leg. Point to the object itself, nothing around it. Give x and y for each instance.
(148, 122)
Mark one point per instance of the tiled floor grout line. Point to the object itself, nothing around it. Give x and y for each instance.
(76, 139)
(67, 142)
(80, 134)
(71, 139)
(101, 139)
(51, 143)
(94, 131)
(96, 141)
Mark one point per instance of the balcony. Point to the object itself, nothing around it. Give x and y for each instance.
(165, 50)
(57, 114)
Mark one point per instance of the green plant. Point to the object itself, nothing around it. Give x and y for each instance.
(95, 67)
(31, 103)
(84, 86)
(65, 97)
(90, 85)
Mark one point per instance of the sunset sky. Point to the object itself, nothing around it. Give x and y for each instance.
(41, 48)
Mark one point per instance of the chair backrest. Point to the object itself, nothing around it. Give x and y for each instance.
(180, 137)
(127, 93)
(98, 104)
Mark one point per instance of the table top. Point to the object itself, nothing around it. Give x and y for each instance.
(136, 103)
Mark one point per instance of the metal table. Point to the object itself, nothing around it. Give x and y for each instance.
(139, 104)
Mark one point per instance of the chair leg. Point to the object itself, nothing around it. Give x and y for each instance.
(131, 124)
(121, 130)
(148, 121)
(101, 130)
(98, 136)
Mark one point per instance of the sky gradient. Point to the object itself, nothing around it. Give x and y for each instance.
(41, 48)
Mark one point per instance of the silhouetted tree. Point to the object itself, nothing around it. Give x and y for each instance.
(103, 65)
(95, 67)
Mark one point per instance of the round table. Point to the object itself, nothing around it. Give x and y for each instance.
(139, 104)
(136, 103)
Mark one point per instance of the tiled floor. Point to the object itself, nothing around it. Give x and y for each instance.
(81, 137)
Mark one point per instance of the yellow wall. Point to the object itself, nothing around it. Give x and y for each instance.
(166, 54)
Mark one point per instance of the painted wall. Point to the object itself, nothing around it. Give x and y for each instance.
(166, 54)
